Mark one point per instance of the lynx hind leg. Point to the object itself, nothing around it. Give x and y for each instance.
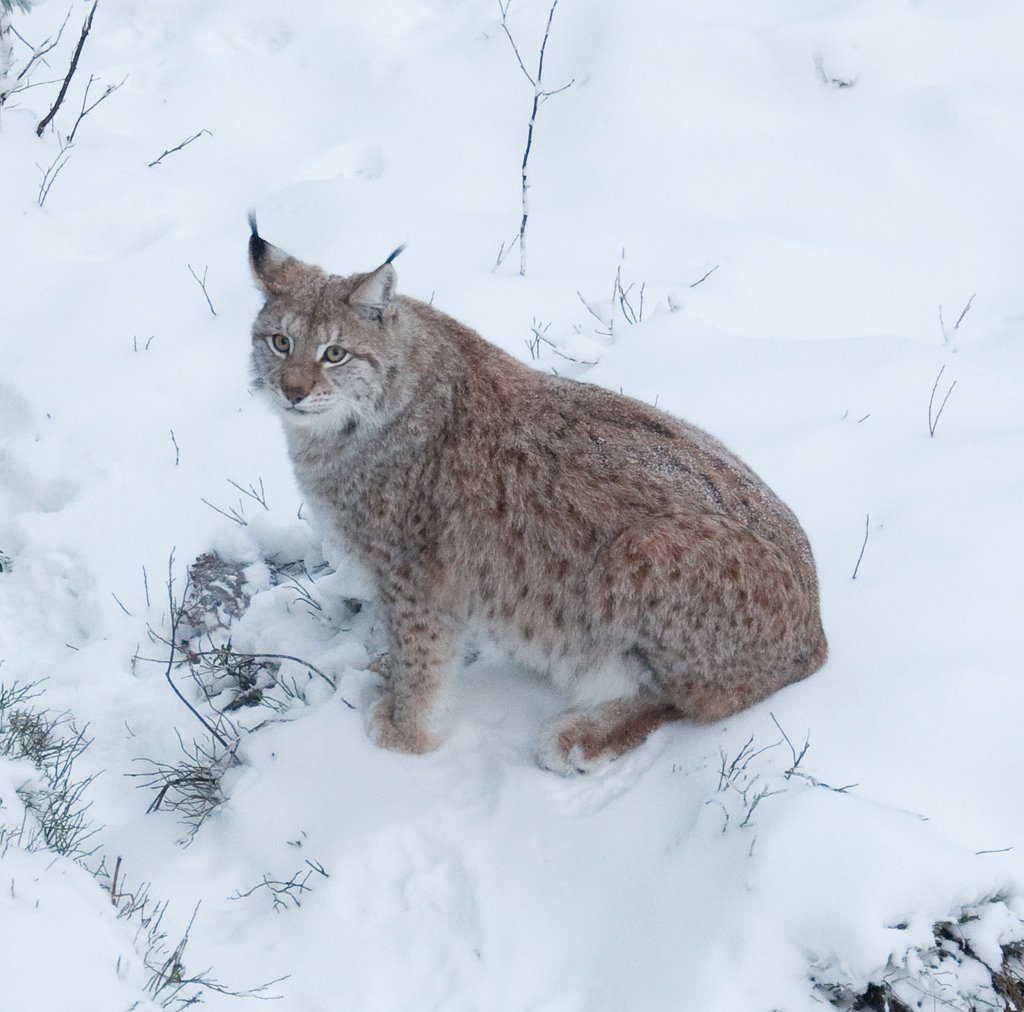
(724, 618)
(585, 739)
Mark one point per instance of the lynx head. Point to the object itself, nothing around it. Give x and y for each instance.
(326, 349)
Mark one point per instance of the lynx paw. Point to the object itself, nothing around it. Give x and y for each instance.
(387, 733)
(566, 747)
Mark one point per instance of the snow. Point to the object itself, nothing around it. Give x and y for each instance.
(846, 169)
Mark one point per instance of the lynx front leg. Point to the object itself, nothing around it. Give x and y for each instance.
(405, 717)
(583, 740)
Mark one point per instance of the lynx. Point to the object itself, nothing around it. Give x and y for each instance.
(626, 553)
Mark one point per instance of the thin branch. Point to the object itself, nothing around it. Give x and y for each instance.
(86, 28)
(545, 95)
(706, 276)
(966, 310)
(50, 174)
(107, 92)
(202, 285)
(864, 544)
(184, 144)
(505, 250)
(934, 416)
(610, 324)
(38, 53)
(260, 496)
(544, 43)
(238, 517)
(539, 337)
(797, 756)
(512, 42)
(175, 613)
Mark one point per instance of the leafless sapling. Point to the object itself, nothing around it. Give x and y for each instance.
(540, 95)
(67, 142)
(86, 28)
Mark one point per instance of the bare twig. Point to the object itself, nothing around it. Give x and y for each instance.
(933, 415)
(64, 154)
(706, 276)
(505, 250)
(287, 891)
(184, 144)
(170, 980)
(947, 335)
(86, 109)
(260, 496)
(534, 344)
(39, 54)
(539, 337)
(51, 173)
(177, 449)
(864, 544)
(175, 614)
(202, 284)
(608, 324)
(86, 28)
(621, 295)
(798, 757)
(238, 515)
(964, 312)
(231, 513)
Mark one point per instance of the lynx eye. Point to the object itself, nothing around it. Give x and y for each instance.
(280, 343)
(334, 354)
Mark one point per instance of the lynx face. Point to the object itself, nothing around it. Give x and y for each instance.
(322, 373)
(322, 348)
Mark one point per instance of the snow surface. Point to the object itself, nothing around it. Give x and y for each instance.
(849, 167)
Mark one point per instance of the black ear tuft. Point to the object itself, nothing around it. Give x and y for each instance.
(395, 253)
(257, 245)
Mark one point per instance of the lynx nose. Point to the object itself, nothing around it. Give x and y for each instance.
(295, 392)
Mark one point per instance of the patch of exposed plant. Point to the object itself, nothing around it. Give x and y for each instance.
(951, 973)
(286, 893)
(55, 816)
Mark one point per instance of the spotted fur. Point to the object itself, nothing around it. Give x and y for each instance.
(624, 551)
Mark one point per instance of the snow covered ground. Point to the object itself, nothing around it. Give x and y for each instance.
(844, 169)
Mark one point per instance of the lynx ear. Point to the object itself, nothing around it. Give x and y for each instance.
(374, 293)
(274, 270)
